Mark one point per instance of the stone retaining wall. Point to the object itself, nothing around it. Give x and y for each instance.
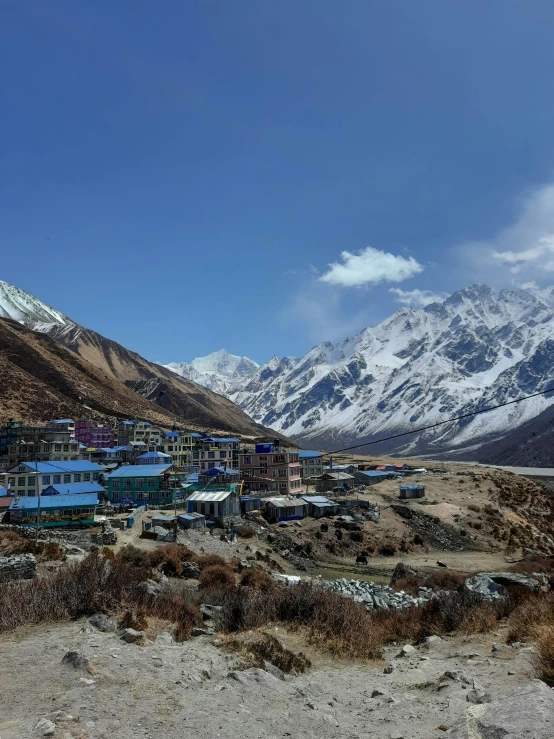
(17, 567)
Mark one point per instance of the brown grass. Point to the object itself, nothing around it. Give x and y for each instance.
(530, 617)
(45, 551)
(269, 648)
(246, 532)
(217, 576)
(209, 560)
(171, 557)
(387, 549)
(257, 578)
(544, 662)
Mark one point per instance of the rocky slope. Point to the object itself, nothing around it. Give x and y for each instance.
(150, 390)
(478, 348)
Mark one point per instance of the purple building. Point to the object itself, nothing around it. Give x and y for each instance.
(91, 435)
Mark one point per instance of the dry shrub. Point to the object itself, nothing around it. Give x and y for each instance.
(171, 557)
(108, 553)
(131, 620)
(357, 536)
(544, 662)
(133, 556)
(479, 619)
(445, 580)
(269, 648)
(409, 585)
(245, 532)
(187, 617)
(217, 576)
(474, 508)
(44, 551)
(387, 550)
(257, 578)
(536, 564)
(418, 540)
(530, 616)
(209, 560)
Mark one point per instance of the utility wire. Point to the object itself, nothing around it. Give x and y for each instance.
(441, 423)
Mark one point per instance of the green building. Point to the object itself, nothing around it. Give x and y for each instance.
(155, 484)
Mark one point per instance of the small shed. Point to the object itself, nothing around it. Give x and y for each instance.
(411, 491)
(250, 503)
(333, 480)
(216, 505)
(319, 506)
(283, 508)
(167, 522)
(373, 477)
(191, 520)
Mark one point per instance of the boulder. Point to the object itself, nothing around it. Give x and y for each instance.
(484, 585)
(490, 584)
(77, 660)
(151, 587)
(164, 638)
(527, 713)
(202, 632)
(103, 623)
(208, 611)
(45, 727)
(132, 636)
(191, 570)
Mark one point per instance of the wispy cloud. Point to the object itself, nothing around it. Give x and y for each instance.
(524, 251)
(417, 298)
(370, 267)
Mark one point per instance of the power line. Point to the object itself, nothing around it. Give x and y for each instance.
(441, 423)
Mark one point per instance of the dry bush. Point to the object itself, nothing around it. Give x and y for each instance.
(44, 551)
(171, 558)
(217, 576)
(257, 578)
(388, 549)
(409, 585)
(187, 617)
(445, 580)
(245, 532)
(133, 556)
(418, 540)
(536, 564)
(269, 648)
(357, 536)
(544, 662)
(530, 616)
(131, 620)
(479, 619)
(474, 508)
(209, 560)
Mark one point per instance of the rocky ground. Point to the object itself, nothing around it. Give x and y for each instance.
(198, 688)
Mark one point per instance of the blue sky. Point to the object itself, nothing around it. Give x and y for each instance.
(180, 175)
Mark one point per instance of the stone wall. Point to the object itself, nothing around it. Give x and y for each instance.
(17, 567)
(82, 539)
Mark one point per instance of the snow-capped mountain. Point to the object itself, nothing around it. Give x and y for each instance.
(219, 371)
(479, 347)
(23, 307)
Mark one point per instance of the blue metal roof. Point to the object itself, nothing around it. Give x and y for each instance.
(411, 487)
(128, 423)
(225, 439)
(55, 501)
(74, 488)
(154, 455)
(171, 434)
(192, 478)
(54, 468)
(222, 471)
(305, 454)
(196, 434)
(63, 420)
(140, 470)
(3, 491)
(375, 473)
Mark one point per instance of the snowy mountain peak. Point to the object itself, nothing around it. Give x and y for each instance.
(219, 371)
(23, 307)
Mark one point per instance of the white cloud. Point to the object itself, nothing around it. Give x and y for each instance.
(370, 266)
(525, 248)
(417, 298)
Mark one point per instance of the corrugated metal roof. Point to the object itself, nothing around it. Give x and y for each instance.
(140, 470)
(315, 499)
(74, 488)
(191, 516)
(54, 467)
(171, 435)
(210, 497)
(222, 471)
(56, 501)
(281, 502)
(375, 473)
(305, 454)
(154, 455)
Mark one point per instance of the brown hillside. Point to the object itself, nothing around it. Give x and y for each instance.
(41, 379)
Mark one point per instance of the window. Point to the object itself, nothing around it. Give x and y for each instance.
(66, 447)
(66, 479)
(263, 459)
(139, 482)
(95, 476)
(282, 485)
(76, 478)
(57, 447)
(11, 481)
(128, 482)
(31, 482)
(57, 479)
(247, 460)
(45, 448)
(282, 473)
(86, 477)
(115, 494)
(115, 484)
(222, 455)
(211, 455)
(195, 455)
(151, 482)
(20, 482)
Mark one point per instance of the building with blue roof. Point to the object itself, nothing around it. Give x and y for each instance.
(54, 510)
(75, 488)
(311, 463)
(29, 477)
(154, 458)
(155, 484)
(373, 477)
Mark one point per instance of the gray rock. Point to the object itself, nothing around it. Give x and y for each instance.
(458, 676)
(209, 611)
(202, 632)
(45, 727)
(164, 638)
(408, 650)
(389, 669)
(151, 587)
(484, 585)
(274, 670)
(433, 640)
(17, 567)
(132, 636)
(103, 623)
(191, 570)
(526, 713)
(77, 660)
